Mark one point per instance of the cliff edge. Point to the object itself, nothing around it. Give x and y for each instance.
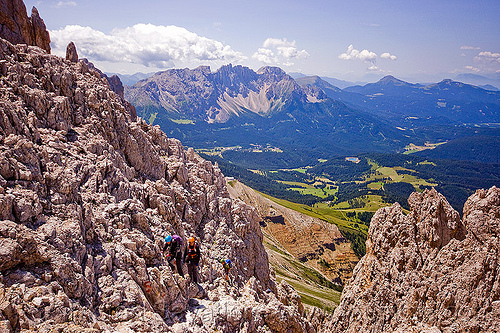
(428, 271)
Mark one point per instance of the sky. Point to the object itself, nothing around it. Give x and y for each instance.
(419, 41)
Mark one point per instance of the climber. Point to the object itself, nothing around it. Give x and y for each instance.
(192, 256)
(226, 264)
(174, 246)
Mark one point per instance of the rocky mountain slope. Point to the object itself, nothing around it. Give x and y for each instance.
(235, 106)
(230, 91)
(308, 239)
(87, 194)
(428, 271)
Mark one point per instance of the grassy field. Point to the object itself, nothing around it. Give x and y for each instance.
(217, 151)
(296, 184)
(381, 174)
(301, 170)
(324, 212)
(259, 172)
(304, 188)
(321, 193)
(182, 121)
(375, 185)
(412, 148)
(152, 118)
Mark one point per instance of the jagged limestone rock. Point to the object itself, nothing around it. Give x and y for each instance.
(87, 194)
(427, 271)
(71, 53)
(18, 28)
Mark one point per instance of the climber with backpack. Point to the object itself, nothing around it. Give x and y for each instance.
(227, 265)
(192, 257)
(173, 251)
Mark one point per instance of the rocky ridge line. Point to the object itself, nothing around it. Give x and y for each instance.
(217, 96)
(86, 196)
(428, 271)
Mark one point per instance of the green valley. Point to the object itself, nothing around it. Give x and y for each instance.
(344, 191)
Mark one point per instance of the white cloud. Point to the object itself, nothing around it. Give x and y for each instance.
(65, 4)
(469, 48)
(146, 44)
(488, 57)
(487, 62)
(364, 55)
(368, 57)
(472, 69)
(279, 51)
(265, 55)
(387, 55)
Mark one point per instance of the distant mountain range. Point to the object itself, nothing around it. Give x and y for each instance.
(308, 117)
(489, 83)
(444, 103)
(236, 106)
(199, 94)
(333, 81)
(131, 79)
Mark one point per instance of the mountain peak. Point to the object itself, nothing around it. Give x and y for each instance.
(271, 70)
(203, 69)
(389, 79)
(451, 83)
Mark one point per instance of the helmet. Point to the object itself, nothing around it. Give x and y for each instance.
(191, 239)
(168, 239)
(228, 261)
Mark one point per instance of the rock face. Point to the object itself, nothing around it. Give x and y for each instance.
(18, 28)
(114, 81)
(427, 271)
(307, 238)
(217, 96)
(87, 195)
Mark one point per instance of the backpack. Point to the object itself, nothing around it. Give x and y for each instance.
(177, 239)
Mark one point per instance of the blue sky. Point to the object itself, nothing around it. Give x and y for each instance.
(353, 40)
